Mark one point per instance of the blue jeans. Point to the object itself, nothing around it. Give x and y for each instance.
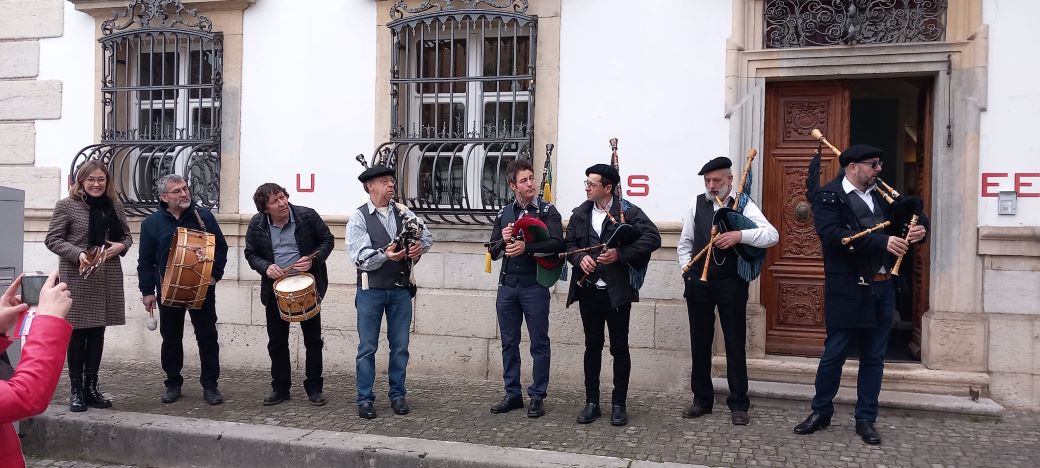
(514, 305)
(371, 304)
(873, 344)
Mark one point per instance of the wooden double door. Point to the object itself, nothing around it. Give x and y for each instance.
(792, 279)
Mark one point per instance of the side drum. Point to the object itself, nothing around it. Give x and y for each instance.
(297, 297)
(189, 267)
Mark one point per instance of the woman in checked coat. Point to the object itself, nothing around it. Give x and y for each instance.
(90, 216)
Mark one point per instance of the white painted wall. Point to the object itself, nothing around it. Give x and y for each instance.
(1008, 127)
(308, 97)
(654, 77)
(69, 59)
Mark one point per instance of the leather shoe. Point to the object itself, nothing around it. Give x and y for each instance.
(366, 410)
(400, 406)
(695, 411)
(316, 399)
(171, 395)
(212, 396)
(508, 404)
(740, 418)
(866, 431)
(618, 415)
(813, 423)
(589, 413)
(536, 409)
(275, 397)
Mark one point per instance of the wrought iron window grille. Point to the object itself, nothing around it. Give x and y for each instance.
(462, 83)
(806, 23)
(162, 76)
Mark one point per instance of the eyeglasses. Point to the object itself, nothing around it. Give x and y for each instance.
(95, 180)
(592, 184)
(180, 191)
(875, 164)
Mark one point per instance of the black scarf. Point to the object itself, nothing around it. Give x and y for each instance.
(103, 219)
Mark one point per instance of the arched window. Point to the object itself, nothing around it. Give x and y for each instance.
(160, 94)
(462, 95)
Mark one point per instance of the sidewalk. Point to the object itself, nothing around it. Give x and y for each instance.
(448, 410)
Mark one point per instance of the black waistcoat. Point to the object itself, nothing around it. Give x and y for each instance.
(868, 219)
(724, 261)
(390, 274)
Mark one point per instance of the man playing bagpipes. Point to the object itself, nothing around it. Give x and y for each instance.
(859, 291)
(729, 234)
(602, 281)
(529, 232)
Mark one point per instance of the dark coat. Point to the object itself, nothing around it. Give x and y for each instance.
(157, 231)
(636, 254)
(847, 303)
(97, 301)
(312, 235)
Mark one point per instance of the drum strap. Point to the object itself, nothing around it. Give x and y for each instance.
(202, 226)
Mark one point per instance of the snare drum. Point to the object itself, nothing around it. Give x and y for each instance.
(188, 269)
(297, 297)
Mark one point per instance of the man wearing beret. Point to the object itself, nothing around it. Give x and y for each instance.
(520, 296)
(859, 293)
(383, 286)
(725, 289)
(606, 294)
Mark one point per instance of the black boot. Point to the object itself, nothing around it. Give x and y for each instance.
(91, 395)
(76, 403)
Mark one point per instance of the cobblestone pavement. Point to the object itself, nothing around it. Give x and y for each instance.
(36, 462)
(445, 409)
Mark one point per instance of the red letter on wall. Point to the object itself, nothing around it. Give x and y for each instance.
(640, 183)
(1019, 183)
(986, 184)
(299, 187)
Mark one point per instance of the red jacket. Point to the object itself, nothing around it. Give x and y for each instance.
(29, 390)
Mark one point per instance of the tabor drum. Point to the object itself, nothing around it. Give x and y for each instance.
(297, 297)
(188, 269)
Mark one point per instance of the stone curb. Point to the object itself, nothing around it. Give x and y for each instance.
(159, 440)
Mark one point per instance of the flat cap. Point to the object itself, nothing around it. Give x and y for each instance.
(857, 153)
(720, 162)
(373, 172)
(606, 171)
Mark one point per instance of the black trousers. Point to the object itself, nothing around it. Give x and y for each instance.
(171, 327)
(84, 352)
(595, 310)
(278, 349)
(730, 295)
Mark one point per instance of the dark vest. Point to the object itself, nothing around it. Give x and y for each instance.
(724, 261)
(524, 265)
(868, 219)
(390, 274)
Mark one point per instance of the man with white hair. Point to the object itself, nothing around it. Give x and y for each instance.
(177, 209)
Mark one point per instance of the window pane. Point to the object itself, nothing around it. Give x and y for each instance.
(157, 124)
(506, 66)
(494, 187)
(443, 121)
(505, 120)
(440, 180)
(200, 72)
(202, 122)
(439, 60)
(157, 69)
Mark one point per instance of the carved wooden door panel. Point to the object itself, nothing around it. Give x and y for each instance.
(792, 279)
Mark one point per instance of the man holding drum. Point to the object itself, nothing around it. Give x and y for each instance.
(284, 239)
(177, 209)
(384, 261)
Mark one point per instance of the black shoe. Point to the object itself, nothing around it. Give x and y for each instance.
(366, 410)
(400, 406)
(813, 423)
(275, 397)
(508, 404)
(589, 413)
(172, 394)
(316, 399)
(536, 409)
(866, 431)
(92, 396)
(76, 401)
(618, 415)
(695, 411)
(740, 418)
(212, 396)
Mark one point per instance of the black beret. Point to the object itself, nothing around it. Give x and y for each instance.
(720, 162)
(606, 171)
(857, 153)
(373, 172)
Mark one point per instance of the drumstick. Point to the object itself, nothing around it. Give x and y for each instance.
(151, 323)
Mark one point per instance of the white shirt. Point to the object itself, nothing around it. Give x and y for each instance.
(359, 244)
(865, 196)
(765, 235)
(597, 218)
